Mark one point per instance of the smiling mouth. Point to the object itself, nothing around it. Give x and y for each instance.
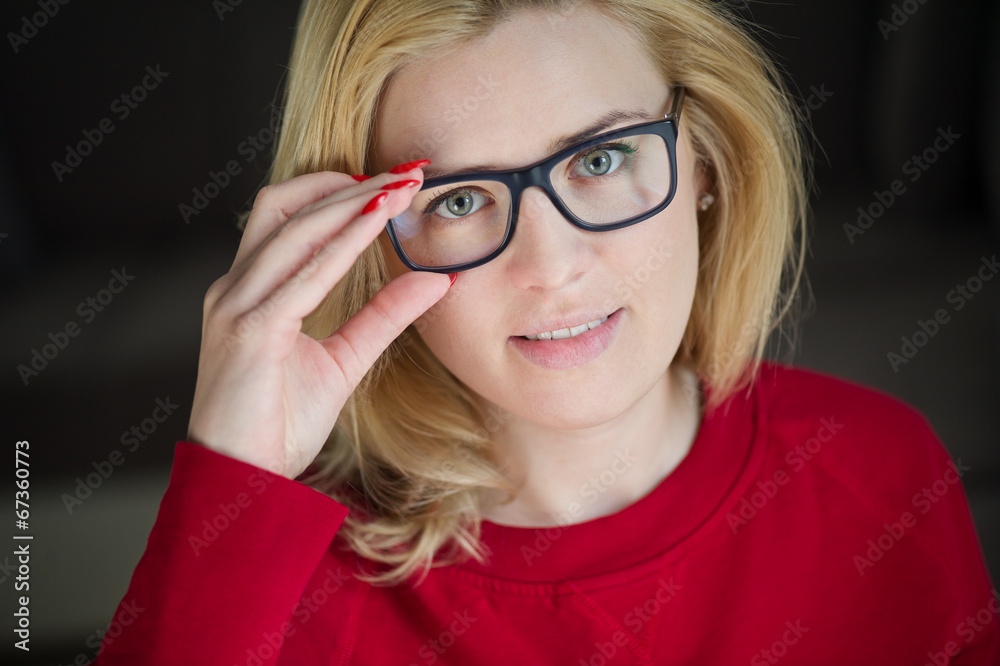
(566, 333)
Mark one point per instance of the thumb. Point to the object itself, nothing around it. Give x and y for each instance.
(357, 344)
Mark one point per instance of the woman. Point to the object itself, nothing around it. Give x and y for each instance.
(539, 338)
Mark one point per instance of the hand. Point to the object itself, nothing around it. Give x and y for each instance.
(268, 394)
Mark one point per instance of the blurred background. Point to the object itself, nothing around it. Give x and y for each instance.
(119, 120)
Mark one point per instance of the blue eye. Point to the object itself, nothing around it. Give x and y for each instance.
(457, 203)
(602, 160)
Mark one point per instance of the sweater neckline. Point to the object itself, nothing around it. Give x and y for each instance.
(663, 519)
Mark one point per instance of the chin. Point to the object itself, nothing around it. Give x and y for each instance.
(586, 402)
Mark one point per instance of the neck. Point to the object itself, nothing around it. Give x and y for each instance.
(571, 476)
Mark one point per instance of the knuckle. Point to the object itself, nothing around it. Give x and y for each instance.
(386, 308)
(214, 293)
(263, 194)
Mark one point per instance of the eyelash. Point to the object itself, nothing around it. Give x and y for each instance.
(624, 147)
(438, 200)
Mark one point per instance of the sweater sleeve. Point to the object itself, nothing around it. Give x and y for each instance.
(231, 551)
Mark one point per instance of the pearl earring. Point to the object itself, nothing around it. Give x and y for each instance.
(705, 201)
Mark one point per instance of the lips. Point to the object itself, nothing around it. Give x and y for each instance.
(566, 333)
(571, 351)
(569, 322)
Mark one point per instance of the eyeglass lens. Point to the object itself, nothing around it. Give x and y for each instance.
(601, 185)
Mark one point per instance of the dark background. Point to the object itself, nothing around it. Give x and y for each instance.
(886, 95)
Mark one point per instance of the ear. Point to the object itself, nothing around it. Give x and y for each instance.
(703, 181)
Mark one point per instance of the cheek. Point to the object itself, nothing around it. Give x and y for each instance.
(659, 281)
(455, 331)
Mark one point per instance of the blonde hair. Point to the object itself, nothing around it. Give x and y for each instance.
(411, 451)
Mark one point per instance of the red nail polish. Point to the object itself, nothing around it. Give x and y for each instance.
(375, 203)
(453, 276)
(409, 166)
(361, 177)
(400, 184)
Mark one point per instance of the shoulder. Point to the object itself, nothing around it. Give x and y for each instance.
(873, 442)
(791, 393)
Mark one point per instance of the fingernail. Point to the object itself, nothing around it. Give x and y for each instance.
(361, 178)
(409, 166)
(453, 276)
(400, 184)
(375, 203)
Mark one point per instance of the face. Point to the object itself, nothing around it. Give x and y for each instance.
(503, 101)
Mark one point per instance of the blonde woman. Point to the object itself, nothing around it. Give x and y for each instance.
(505, 403)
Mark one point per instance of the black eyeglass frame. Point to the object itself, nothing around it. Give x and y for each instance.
(538, 175)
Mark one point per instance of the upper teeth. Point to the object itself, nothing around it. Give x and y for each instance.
(564, 333)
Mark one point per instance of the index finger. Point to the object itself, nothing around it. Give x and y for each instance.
(278, 202)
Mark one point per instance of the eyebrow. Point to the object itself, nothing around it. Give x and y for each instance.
(603, 123)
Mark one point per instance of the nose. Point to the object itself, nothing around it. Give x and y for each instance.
(547, 251)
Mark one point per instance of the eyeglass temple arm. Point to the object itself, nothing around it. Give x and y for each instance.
(675, 108)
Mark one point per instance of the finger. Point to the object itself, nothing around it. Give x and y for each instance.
(357, 344)
(275, 204)
(316, 230)
(299, 267)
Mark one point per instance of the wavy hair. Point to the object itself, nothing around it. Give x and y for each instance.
(411, 453)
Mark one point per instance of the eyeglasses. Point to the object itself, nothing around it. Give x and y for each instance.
(610, 181)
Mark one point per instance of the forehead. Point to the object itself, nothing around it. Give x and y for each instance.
(502, 99)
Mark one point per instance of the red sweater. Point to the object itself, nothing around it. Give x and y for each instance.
(813, 521)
